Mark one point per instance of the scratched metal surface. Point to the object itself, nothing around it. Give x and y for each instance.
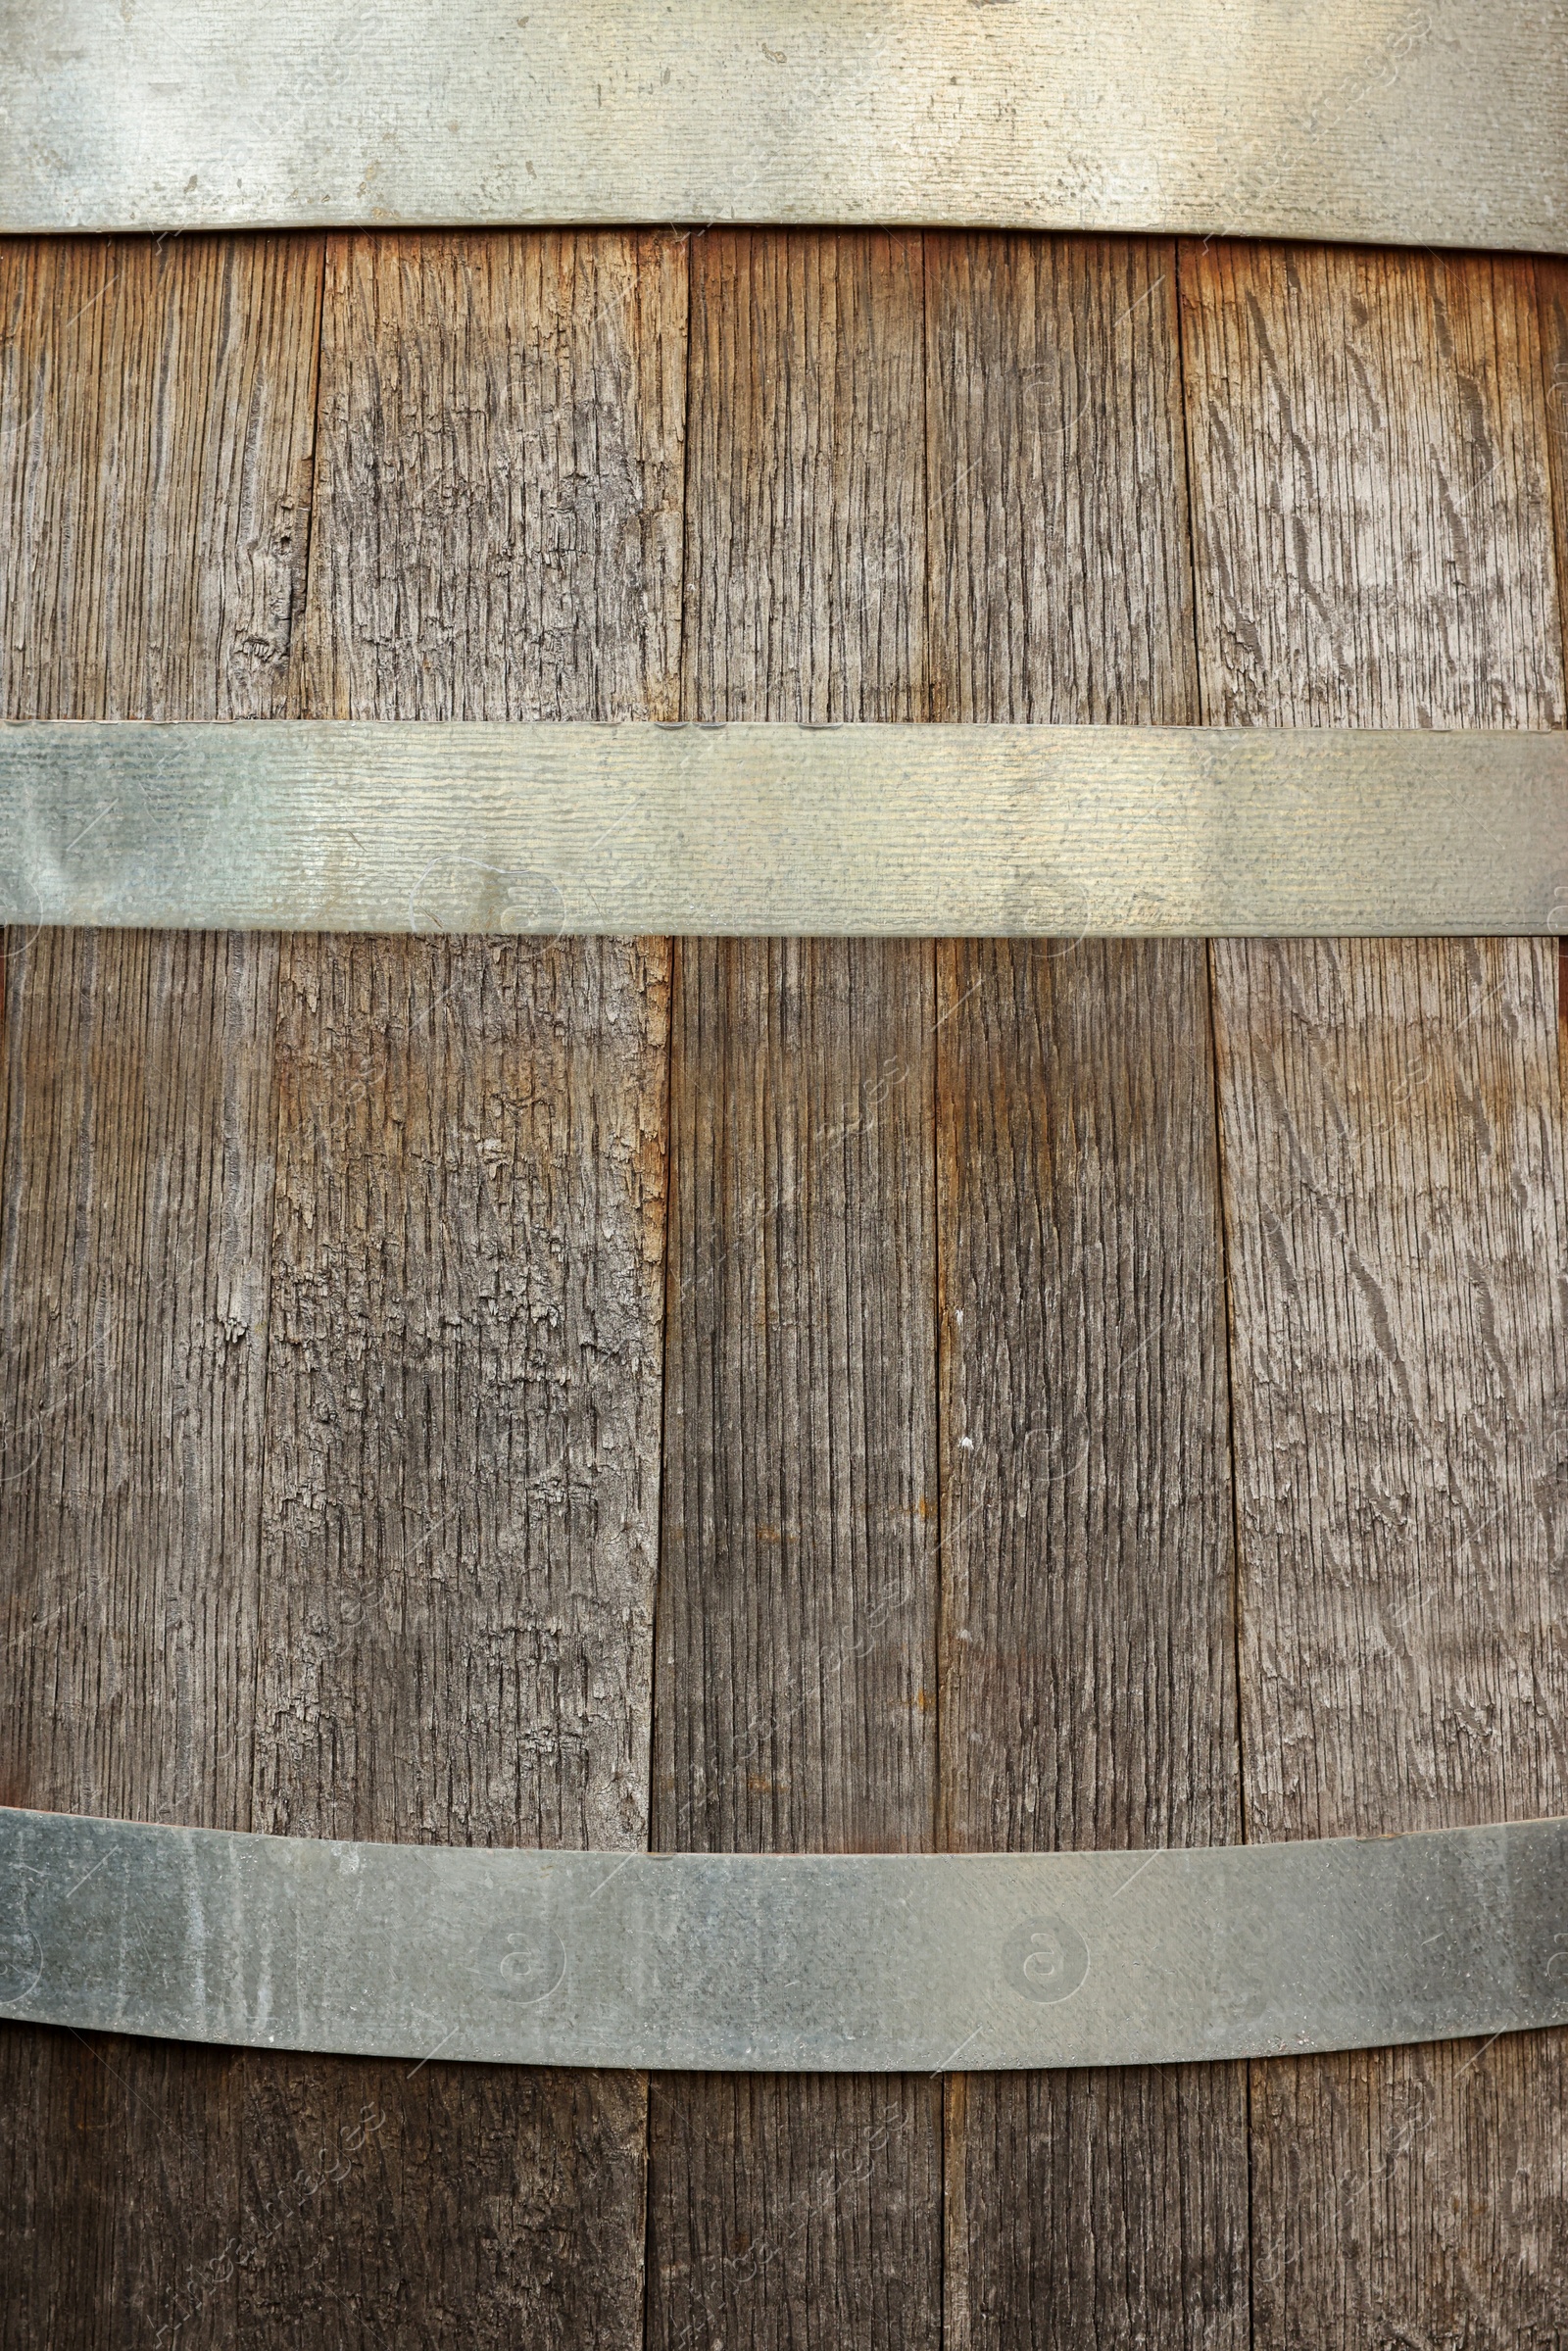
(1416, 121)
(785, 830)
(865, 1962)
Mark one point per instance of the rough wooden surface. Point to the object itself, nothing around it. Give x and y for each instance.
(1373, 546)
(157, 404)
(501, 479)
(157, 420)
(1088, 1674)
(1059, 585)
(797, 1665)
(469, 1262)
(333, 1275)
(1551, 281)
(1551, 285)
(467, 1288)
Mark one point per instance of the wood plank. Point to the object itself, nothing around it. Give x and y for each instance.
(1087, 1661)
(157, 406)
(1373, 546)
(797, 1610)
(460, 1506)
(1551, 283)
(1552, 278)
(466, 1263)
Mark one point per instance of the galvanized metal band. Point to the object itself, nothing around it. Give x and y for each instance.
(864, 1962)
(784, 830)
(1414, 121)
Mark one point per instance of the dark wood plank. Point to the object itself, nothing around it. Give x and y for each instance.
(1551, 285)
(1373, 537)
(1087, 1676)
(460, 1506)
(157, 404)
(1552, 281)
(798, 1580)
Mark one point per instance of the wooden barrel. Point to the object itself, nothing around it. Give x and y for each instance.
(783, 1396)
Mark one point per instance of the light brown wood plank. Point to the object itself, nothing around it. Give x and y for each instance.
(1087, 1680)
(1373, 544)
(463, 1397)
(797, 1579)
(462, 1437)
(501, 479)
(157, 404)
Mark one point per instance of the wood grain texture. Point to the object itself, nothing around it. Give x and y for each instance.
(1060, 587)
(500, 492)
(418, 1428)
(467, 1265)
(462, 1493)
(1551, 285)
(1394, 425)
(133, 1281)
(1088, 1680)
(1373, 546)
(796, 1613)
(157, 416)
(157, 406)
(1552, 281)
